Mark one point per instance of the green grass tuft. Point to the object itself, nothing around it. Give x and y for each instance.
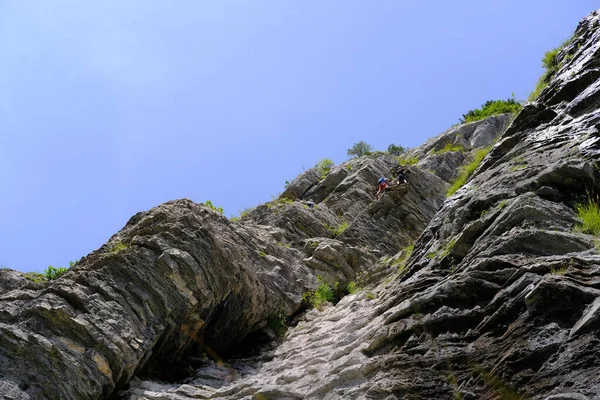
(210, 205)
(52, 273)
(118, 247)
(324, 293)
(558, 270)
(490, 108)
(552, 65)
(351, 288)
(400, 263)
(448, 247)
(281, 201)
(324, 167)
(408, 160)
(336, 231)
(449, 147)
(589, 213)
(467, 170)
(35, 277)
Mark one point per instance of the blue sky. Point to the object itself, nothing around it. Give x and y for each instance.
(108, 108)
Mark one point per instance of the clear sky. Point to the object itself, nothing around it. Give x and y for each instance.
(108, 108)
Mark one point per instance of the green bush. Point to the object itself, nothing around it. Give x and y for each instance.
(410, 160)
(322, 294)
(336, 231)
(351, 288)
(589, 213)
(277, 323)
(448, 247)
(210, 205)
(558, 270)
(395, 150)
(552, 65)
(118, 247)
(466, 171)
(324, 167)
(400, 263)
(35, 276)
(492, 107)
(51, 273)
(360, 149)
(449, 147)
(243, 213)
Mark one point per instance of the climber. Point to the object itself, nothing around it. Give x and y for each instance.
(383, 185)
(400, 173)
(310, 203)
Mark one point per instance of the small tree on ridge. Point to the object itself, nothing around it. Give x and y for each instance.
(360, 149)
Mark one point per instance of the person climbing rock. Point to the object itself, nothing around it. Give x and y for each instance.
(383, 185)
(401, 175)
(310, 203)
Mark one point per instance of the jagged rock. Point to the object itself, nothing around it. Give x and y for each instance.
(10, 280)
(470, 136)
(503, 251)
(500, 296)
(181, 277)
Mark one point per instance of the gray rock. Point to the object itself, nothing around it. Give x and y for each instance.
(499, 297)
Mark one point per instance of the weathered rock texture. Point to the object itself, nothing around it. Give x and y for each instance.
(500, 298)
(511, 301)
(181, 277)
(432, 157)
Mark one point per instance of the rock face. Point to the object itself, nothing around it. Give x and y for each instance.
(445, 164)
(512, 295)
(499, 299)
(181, 278)
(500, 296)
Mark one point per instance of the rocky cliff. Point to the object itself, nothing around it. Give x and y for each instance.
(499, 298)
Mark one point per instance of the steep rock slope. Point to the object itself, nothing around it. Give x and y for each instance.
(432, 156)
(180, 277)
(324, 355)
(500, 297)
(511, 301)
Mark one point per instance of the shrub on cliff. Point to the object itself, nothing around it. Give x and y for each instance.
(324, 166)
(551, 63)
(466, 170)
(490, 108)
(323, 294)
(589, 213)
(51, 273)
(396, 150)
(210, 205)
(360, 149)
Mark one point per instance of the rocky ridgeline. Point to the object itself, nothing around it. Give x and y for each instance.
(180, 279)
(499, 298)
